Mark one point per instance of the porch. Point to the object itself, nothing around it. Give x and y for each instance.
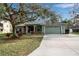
(29, 29)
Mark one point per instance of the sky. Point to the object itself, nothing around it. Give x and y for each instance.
(62, 9)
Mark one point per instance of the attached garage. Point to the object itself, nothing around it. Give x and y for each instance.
(54, 29)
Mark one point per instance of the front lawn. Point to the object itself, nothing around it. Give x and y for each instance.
(21, 46)
(76, 33)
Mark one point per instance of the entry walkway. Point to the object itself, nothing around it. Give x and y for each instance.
(58, 45)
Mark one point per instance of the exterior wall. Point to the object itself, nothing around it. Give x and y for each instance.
(70, 30)
(7, 27)
(62, 29)
(43, 29)
(48, 29)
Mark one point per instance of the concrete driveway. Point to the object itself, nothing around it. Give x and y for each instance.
(58, 45)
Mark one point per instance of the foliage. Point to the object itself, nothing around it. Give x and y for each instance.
(67, 22)
(25, 12)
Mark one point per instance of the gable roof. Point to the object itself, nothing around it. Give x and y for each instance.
(38, 21)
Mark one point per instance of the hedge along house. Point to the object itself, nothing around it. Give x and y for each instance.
(41, 26)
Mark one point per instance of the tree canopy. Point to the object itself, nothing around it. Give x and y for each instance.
(25, 12)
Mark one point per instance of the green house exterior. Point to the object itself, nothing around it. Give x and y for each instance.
(46, 27)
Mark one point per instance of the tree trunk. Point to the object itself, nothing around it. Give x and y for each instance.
(14, 32)
(13, 27)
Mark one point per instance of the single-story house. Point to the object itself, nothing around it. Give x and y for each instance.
(41, 26)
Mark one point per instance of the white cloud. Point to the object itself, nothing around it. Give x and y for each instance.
(65, 5)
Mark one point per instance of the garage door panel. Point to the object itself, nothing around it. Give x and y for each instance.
(52, 30)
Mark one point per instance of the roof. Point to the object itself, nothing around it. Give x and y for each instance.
(41, 21)
(38, 21)
(23, 24)
(56, 24)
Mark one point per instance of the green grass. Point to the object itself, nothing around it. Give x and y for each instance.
(76, 33)
(21, 46)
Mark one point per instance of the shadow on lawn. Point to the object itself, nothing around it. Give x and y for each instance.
(4, 39)
(20, 46)
(7, 40)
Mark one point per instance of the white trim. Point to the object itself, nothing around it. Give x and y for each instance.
(26, 29)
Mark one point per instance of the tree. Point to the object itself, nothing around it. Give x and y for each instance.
(11, 15)
(22, 14)
(15, 17)
(36, 10)
(30, 11)
(67, 22)
(47, 13)
(54, 17)
(2, 10)
(75, 12)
